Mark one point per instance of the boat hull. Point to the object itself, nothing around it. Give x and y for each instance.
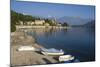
(47, 53)
(66, 58)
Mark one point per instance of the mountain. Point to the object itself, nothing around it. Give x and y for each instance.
(73, 20)
(90, 24)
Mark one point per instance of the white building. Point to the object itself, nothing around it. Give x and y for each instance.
(32, 23)
(29, 22)
(21, 22)
(39, 22)
(36, 22)
(58, 24)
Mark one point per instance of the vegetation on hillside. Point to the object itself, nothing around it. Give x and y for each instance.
(16, 17)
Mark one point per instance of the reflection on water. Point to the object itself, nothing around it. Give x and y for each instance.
(78, 41)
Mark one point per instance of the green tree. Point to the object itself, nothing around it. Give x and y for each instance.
(50, 22)
(14, 19)
(65, 24)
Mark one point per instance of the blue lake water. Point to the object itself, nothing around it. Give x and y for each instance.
(77, 41)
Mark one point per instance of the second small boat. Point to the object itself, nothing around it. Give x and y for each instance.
(52, 51)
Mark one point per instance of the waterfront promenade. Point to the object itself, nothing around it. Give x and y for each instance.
(37, 27)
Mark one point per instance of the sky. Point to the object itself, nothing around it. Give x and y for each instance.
(53, 10)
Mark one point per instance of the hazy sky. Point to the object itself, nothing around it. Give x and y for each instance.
(54, 10)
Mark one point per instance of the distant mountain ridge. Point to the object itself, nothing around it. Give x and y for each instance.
(90, 24)
(73, 20)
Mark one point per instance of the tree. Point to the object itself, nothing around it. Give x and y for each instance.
(16, 17)
(65, 24)
(50, 22)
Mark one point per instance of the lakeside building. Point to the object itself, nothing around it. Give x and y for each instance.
(39, 22)
(59, 24)
(29, 23)
(36, 22)
(21, 23)
(32, 23)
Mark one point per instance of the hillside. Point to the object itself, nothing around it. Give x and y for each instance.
(90, 24)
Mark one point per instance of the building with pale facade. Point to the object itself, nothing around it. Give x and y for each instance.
(39, 22)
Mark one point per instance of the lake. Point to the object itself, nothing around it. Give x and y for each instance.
(77, 41)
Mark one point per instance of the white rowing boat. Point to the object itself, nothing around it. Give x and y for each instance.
(26, 48)
(66, 58)
(52, 51)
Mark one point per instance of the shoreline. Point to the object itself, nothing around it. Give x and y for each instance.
(20, 58)
(38, 27)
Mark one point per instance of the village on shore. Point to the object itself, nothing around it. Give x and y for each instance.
(24, 48)
(39, 24)
(19, 20)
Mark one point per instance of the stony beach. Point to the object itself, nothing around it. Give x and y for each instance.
(25, 58)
